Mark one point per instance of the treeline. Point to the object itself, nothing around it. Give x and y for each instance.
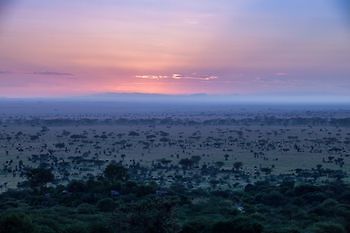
(114, 203)
(269, 121)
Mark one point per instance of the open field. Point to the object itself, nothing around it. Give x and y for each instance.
(174, 169)
(218, 150)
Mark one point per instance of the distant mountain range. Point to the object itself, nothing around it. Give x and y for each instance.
(137, 94)
(202, 97)
(111, 96)
(197, 98)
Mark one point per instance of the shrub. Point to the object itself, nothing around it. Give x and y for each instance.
(45, 229)
(16, 223)
(194, 227)
(99, 228)
(76, 228)
(106, 205)
(304, 189)
(115, 172)
(328, 227)
(241, 225)
(273, 199)
(86, 209)
(39, 177)
(76, 186)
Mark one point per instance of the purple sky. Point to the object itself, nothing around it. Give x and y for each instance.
(245, 47)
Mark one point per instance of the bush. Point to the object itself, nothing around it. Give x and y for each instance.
(99, 228)
(76, 228)
(289, 229)
(194, 227)
(241, 225)
(304, 189)
(16, 223)
(345, 197)
(106, 205)
(115, 172)
(273, 199)
(86, 209)
(45, 229)
(39, 177)
(328, 227)
(76, 186)
(47, 224)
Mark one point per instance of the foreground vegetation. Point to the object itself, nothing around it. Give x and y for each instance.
(113, 202)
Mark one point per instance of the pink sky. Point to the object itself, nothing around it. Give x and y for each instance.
(59, 48)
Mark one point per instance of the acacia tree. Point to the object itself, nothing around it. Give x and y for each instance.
(186, 163)
(116, 172)
(237, 166)
(39, 177)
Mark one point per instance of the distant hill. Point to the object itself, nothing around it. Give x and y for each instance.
(197, 98)
(112, 96)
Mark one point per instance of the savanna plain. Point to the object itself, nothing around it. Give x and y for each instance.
(174, 168)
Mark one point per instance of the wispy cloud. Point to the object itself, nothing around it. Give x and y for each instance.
(53, 73)
(281, 74)
(4, 72)
(179, 77)
(152, 77)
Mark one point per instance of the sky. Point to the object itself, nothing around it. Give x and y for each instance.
(222, 47)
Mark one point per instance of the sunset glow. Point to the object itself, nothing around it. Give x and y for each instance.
(65, 48)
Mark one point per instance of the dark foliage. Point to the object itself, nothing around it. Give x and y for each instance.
(114, 203)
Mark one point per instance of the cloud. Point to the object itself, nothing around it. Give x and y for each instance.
(53, 73)
(179, 77)
(281, 74)
(4, 72)
(194, 77)
(152, 77)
